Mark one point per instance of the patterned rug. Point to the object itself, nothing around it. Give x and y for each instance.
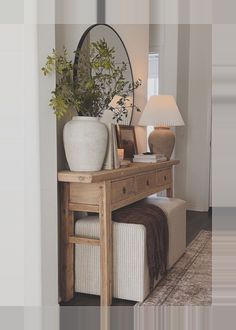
(189, 281)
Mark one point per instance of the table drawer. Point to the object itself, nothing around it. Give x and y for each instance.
(145, 182)
(163, 177)
(122, 189)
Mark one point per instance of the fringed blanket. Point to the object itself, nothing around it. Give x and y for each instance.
(157, 240)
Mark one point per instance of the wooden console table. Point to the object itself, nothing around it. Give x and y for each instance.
(103, 192)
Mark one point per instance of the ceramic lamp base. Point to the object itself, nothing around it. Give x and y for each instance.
(162, 141)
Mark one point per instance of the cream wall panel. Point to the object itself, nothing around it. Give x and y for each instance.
(200, 12)
(12, 165)
(223, 50)
(164, 11)
(127, 12)
(168, 59)
(48, 171)
(41, 243)
(76, 11)
(224, 12)
(40, 182)
(224, 115)
(194, 98)
(45, 11)
(9, 16)
(163, 38)
(199, 118)
(182, 101)
(33, 261)
(155, 38)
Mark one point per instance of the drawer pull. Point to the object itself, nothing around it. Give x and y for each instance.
(148, 183)
(124, 190)
(165, 177)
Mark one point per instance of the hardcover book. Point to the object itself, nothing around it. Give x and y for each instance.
(111, 158)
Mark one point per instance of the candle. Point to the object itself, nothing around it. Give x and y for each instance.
(120, 154)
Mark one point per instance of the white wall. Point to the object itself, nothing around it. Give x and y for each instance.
(168, 59)
(199, 118)
(41, 285)
(12, 165)
(41, 229)
(182, 101)
(132, 12)
(48, 171)
(156, 35)
(224, 116)
(194, 99)
(28, 176)
(76, 11)
(41, 267)
(33, 233)
(224, 163)
(164, 11)
(164, 40)
(28, 179)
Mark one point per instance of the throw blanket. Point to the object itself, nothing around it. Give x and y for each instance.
(157, 236)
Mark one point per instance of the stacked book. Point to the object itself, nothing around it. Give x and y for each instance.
(111, 158)
(149, 158)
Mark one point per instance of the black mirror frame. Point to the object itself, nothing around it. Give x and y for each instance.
(76, 60)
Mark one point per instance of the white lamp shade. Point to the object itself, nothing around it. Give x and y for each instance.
(161, 110)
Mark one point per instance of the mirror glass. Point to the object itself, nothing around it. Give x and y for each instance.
(101, 44)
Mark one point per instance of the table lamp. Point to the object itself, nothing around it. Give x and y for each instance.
(162, 112)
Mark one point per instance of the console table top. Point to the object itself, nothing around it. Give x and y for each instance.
(98, 176)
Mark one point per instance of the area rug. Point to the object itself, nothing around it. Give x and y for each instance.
(189, 281)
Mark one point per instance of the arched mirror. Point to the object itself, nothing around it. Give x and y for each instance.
(103, 73)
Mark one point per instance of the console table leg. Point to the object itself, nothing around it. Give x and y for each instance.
(169, 192)
(67, 249)
(105, 315)
(105, 245)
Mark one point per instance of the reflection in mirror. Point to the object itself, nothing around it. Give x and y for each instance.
(102, 68)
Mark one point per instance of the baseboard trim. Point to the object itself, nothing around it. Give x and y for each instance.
(197, 208)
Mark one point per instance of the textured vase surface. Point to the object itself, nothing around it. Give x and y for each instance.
(85, 142)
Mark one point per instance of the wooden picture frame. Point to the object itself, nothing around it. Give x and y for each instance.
(126, 140)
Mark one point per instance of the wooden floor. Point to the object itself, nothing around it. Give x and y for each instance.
(196, 221)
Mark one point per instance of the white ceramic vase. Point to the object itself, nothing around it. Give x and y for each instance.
(85, 142)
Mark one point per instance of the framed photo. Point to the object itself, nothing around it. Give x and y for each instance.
(126, 140)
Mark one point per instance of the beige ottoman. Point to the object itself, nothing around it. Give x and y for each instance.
(130, 270)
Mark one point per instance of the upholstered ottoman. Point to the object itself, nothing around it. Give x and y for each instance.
(130, 270)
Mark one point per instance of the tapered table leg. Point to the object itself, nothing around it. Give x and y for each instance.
(105, 245)
(105, 255)
(105, 315)
(66, 248)
(169, 192)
